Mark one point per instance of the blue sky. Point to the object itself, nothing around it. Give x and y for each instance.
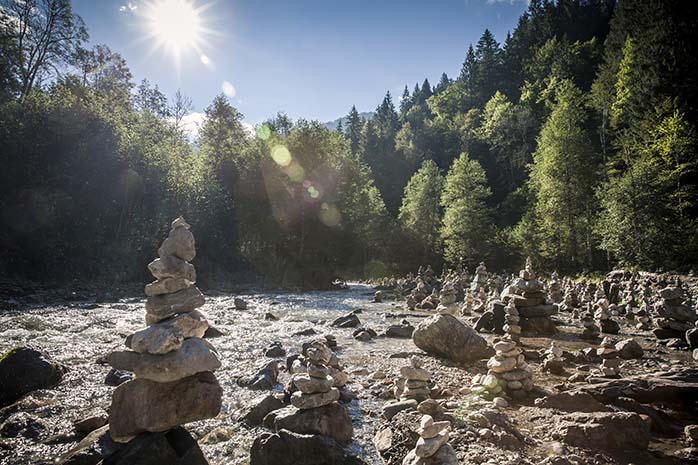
(309, 58)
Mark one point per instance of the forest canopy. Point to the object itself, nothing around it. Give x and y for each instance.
(573, 142)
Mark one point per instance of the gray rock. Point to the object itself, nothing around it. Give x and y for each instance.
(571, 402)
(168, 335)
(159, 307)
(180, 243)
(329, 420)
(264, 379)
(195, 356)
(25, 369)
(260, 407)
(307, 401)
(287, 448)
(239, 304)
(609, 431)
(629, 349)
(142, 405)
(172, 267)
(350, 320)
(393, 408)
(166, 286)
(447, 337)
(444, 456)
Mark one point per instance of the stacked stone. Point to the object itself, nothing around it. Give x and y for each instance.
(534, 308)
(315, 387)
(603, 316)
(447, 299)
(480, 278)
(508, 373)
(553, 361)
(555, 289)
(174, 382)
(469, 302)
(430, 302)
(418, 294)
(642, 317)
(676, 316)
(432, 446)
(590, 331)
(610, 364)
(413, 383)
(511, 322)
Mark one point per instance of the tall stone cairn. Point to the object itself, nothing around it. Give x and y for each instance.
(173, 366)
(508, 373)
(533, 305)
(315, 387)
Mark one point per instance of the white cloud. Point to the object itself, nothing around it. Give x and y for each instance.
(228, 89)
(248, 128)
(191, 124)
(129, 7)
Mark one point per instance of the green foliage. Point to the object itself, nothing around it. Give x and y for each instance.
(467, 222)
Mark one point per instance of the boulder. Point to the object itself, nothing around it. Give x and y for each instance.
(609, 326)
(609, 431)
(159, 307)
(629, 349)
(25, 369)
(239, 304)
(329, 420)
(445, 336)
(174, 447)
(403, 330)
(142, 405)
(256, 410)
(692, 338)
(671, 293)
(264, 379)
(350, 320)
(287, 448)
(275, 350)
(195, 356)
(166, 336)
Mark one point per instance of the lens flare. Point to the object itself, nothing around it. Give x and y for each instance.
(281, 155)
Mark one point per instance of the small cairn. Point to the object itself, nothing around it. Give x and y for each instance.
(447, 299)
(642, 317)
(432, 446)
(480, 278)
(378, 297)
(315, 387)
(610, 364)
(469, 302)
(174, 382)
(534, 308)
(553, 361)
(555, 289)
(413, 383)
(603, 316)
(590, 331)
(508, 373)
(511, 322)
(676, 317)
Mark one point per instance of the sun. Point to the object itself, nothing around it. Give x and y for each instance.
(175, 25)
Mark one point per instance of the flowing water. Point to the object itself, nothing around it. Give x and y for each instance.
(78, 336)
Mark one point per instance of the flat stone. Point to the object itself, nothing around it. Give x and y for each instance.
(428, 447)
(168, 335)
(164, 306)
(143, 405)
(504, 346)
(172, 267)
(501, 365)
(418, 374)
(446, 455)
(306, 401)
(393, 408)
(311, 385)
(433, 430)
(166, 286)
(195, 356)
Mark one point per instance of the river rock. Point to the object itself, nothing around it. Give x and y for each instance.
(428, 447)
(163, 306)
(393, 408)
(172, 267)
(264, 379)
(287, 448)
(169, 335)
(571, 402)
(444, 335)
(195, 356)
(260, 407)
(629, 349)
(306, 401)
(403, 330)
(310, 385)
(25, 369)
(446, 455)
(328, 420)
(350, 320)
(142, 405)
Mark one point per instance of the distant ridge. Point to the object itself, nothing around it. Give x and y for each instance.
(367, 115)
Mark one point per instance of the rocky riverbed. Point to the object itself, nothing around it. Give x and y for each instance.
(80, 335)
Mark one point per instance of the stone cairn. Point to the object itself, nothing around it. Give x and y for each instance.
(530, 300)
(553, 361)
(432, 446)
(555, 289)
(676, 317)
(174, 382)
(591, 330)
(480, 278)
(447, 299)
(610, 364)
(413, 382)
(315, 385)
(469, 302)
(511, 322)
(508, 373)
(603, 315)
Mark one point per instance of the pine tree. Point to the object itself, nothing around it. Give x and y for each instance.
(353, 132)
(467, 221)
(467, 72)
(405, 101)
(339, 127)
(420, 213)
(562, 179)
(444, 82)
